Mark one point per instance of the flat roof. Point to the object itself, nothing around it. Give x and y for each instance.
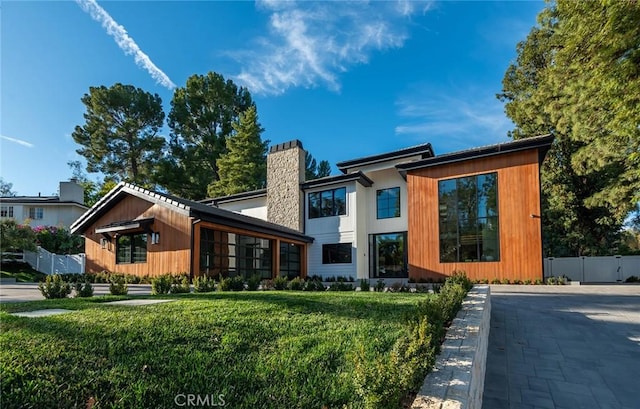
(232, 198)
(424, 149)
(543, 143)
(332, 180)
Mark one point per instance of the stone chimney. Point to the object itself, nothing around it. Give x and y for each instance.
(71, 192)
(285, 173)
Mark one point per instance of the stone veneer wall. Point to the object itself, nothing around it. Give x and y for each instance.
(457, 380)
(285, 173)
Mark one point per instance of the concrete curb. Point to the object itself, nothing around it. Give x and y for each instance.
(457, 380)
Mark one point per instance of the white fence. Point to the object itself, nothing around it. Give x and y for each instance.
(50, 263)
(606, 269)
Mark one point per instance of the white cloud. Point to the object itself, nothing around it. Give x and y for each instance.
(311, 43)
(18, 141)
(471, 118)
(125, 42)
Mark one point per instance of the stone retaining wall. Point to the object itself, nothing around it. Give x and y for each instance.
(457, 380)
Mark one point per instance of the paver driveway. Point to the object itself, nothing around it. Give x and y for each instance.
(564, 347)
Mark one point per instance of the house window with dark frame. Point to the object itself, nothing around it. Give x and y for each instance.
(131, 248)
(328, 203)
(36, 213)
(388, 255)
(468, 219)
(290, 260)
(388, 203)
(6, 211)
(338, 253)
(224, 254)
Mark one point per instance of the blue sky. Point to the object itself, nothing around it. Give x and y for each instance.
(347, 79)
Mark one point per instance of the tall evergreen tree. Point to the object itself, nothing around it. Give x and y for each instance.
(577, 75)
(120, 135)
(315, 170)
(244, 166)
(201, 119)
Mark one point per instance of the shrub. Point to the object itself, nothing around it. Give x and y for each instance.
(527, 282)
(460, 277)
(330, 279)
(314, 285)
(267, 284)
(364, 285)
(204, 284)
(420, 288)
(552, 280)
(436, 287)
(280, 283)
(231, 284)
(495, 281)
(161, 284)
(54, 287)
(632, 279)
(182, 287)
(297, 284)
(341, 286)
(399, 287)
(537, 281)
(253, 282)
(117, 285)
(84, 289)
(379, 286)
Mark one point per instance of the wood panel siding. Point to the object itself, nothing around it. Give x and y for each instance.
(519, 218)
(171, 255)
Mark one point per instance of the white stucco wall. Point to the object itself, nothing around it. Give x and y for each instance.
(332, 230)
(384, 179)
(254, 207)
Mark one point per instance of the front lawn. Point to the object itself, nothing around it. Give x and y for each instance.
(22, 272)
(246, 350)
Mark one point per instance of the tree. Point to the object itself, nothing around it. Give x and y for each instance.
(201, 119)
(14, 236)
(577, 75)
(120, 135)
(6, 188)
(244, 166)
(313, 170)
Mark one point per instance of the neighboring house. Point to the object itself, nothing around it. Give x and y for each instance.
(61, 210)
(402, 214)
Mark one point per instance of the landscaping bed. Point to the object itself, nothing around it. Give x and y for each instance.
(267, 349)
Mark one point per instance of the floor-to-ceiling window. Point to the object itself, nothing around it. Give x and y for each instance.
(468, 219)
(224, 254)
(290, 260)
(388, 255)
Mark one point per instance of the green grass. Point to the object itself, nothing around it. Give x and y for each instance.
(22, 272)
(258, 349)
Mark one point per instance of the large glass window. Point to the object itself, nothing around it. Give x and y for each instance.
(131, 248)
(388, 203)
(468, 219)
(339, 253)
(388, 255)
(224, 254)
(290, 260)
(328, 203)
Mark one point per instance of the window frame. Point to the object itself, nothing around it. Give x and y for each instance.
(462, 220)
(317, 207)
(374, 256)
(133, 245)
(387, 200)
(228, 254)
(338, 249)
(38, 213)
(6, 211)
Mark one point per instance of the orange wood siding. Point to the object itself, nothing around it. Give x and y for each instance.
(518, 199)
(171, 255)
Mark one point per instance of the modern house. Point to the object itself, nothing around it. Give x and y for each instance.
(401, 214)
(61, 210)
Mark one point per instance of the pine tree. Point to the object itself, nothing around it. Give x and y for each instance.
(244, 166)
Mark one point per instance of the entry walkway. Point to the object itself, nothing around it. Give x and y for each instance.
(564, 347)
